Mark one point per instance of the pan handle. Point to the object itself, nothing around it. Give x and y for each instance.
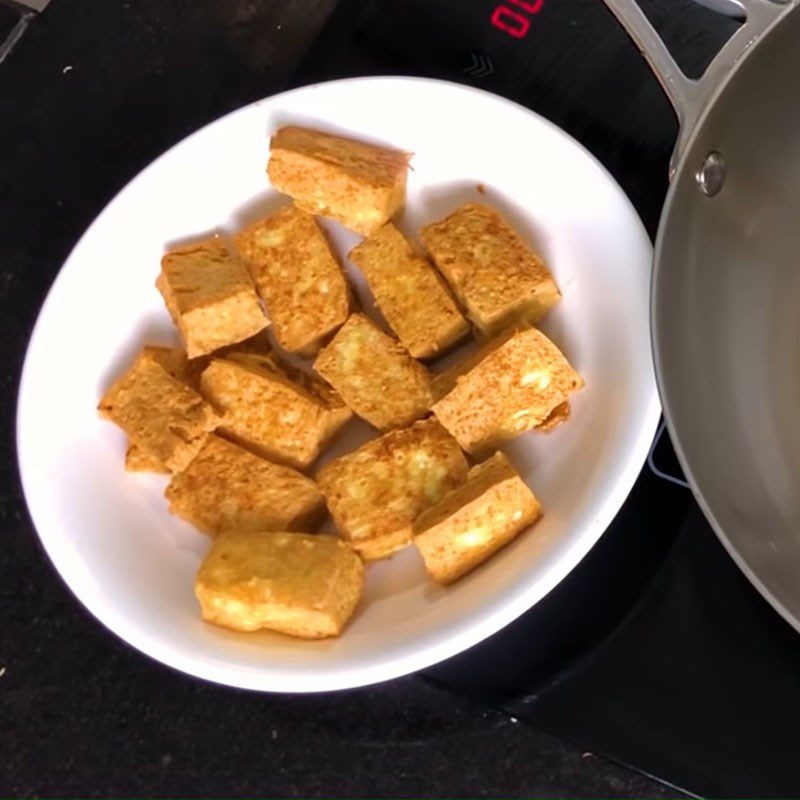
(690, 98)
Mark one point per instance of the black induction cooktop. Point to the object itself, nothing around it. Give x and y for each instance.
(655, 651)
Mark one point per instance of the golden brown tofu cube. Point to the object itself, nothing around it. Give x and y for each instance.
(474, 520)
(294, 583)
(444, 382)
(410, 293)
(515, 386)
(266, 412)
(175, 361)
(210, 296)
(375, 493)
(360, 185)
(228, 488)
(298, 277)
(338, 413)
(494, 274)
(163, 417)
(375, 375)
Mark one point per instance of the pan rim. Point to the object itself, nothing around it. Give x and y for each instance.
(683, 173)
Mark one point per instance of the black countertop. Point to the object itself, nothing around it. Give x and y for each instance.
(92, 93)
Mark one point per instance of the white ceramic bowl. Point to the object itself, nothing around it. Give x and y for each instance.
(109, 533)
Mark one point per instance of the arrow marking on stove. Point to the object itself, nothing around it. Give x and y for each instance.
(481, 67)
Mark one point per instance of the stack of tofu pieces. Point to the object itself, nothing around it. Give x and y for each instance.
(239, 426)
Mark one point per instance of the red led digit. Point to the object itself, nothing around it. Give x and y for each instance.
(512, 22)
(526, 5)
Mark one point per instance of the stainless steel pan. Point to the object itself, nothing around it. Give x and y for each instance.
(726, 287)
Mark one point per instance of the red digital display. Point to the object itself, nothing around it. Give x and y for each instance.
(514, 16)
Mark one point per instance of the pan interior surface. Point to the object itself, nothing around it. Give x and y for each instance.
(726, 317)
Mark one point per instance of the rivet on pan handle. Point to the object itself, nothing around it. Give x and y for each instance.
(689, 97)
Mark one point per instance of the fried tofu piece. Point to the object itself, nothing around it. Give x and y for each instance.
(473, 521)
(358, 184)
(410, 293)
(175, 361)
(445, 382)
(297, 276)
(267, 413)
(258, 352)
(339, 414)
(163, 417)
(375, 375)
(228, 488)
(294, 583)
(494, 274)
(210, 296)
(513, 385)
(375, 493)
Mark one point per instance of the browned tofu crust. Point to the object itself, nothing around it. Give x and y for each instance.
(298, 277)
(474, 520)
(558, 416)
(138, 460)
(175, 361)
(444, 382)
(375, 375)
(321, 392)
(494, 274)
(164, 418)
(229, 488)
(513, 388)
(294, 583)
(375, 493)
(410, 293)
(265, 412)
(358, 184)
(210, 296)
